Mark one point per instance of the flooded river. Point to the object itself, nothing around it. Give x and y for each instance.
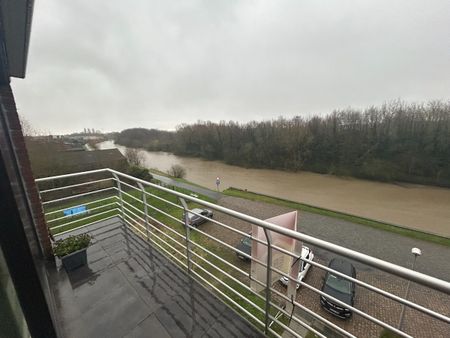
(415, 206)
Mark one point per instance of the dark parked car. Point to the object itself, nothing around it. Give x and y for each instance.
(339, 287)
(195, 220)
(245, 245)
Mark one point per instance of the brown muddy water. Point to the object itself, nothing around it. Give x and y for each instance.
(420, 207)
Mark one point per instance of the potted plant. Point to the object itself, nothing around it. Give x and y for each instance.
(72, 251)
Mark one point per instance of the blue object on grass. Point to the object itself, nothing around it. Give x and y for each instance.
(75, 211)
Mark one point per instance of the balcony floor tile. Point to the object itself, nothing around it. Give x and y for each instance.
(130, 290)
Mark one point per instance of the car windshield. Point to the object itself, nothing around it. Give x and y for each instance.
(247, 241)
(339, 284)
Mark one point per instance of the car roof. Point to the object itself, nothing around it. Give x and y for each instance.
(342, 266)
(197, 210)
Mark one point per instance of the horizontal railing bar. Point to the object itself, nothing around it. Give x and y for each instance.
(228, 298)
(228, 227)
(157, 244)
(80, 205)
(131, 205)
(131, 196)
(152, 195)
(341, 303)
(130, 185)
(83, 218)
(140, 218)
(163, 199)
(312, 313)
(154, 208)
(221, 259)
(287, 328)
(78, 195)
(165, 226)
(382, 292)
(145, 233)
(374, 289)
(221, 282)
(153, 227)
(165, 214)
(81, 173)
(167, 235)
(228, 275)
(165, 243)
(227, 245)
(248, 288)
(82, 213)
(257, 294)
(296, 319)
(83, 226)
(394, 269)
(363, 258)
(76, 185)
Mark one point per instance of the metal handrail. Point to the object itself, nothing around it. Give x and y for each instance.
(397, 270)
(129, 217)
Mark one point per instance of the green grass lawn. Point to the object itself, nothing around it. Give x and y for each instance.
(347, 217)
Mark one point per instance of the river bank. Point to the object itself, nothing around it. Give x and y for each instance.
(424, 208)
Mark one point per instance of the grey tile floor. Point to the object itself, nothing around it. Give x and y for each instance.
(129, 289)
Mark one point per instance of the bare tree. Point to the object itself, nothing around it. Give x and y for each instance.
(177, 171)
(134, 157)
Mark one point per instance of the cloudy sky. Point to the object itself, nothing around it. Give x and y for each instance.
(147, 63)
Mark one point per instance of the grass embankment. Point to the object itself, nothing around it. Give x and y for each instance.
(340, 215)
(132, 201)
(182, 180)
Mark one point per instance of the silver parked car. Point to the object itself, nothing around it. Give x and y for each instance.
(195, 220)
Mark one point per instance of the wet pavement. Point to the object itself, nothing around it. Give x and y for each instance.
(129, 289)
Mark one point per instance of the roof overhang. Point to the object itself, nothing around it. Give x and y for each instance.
(16, 18)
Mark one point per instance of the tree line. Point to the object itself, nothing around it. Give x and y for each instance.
(393, 142)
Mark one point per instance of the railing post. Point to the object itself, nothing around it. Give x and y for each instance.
(268, 280)
(144, 200)
(188, 230)
(293, 273)
(119, 187)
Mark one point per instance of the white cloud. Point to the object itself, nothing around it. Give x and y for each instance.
(112, 65)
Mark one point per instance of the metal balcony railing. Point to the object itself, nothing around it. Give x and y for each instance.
(159, 215)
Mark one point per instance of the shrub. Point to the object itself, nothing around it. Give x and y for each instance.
(66, 246)
(177, 171)
(139, 172)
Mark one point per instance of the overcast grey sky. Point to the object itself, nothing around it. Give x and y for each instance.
(145, 63)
